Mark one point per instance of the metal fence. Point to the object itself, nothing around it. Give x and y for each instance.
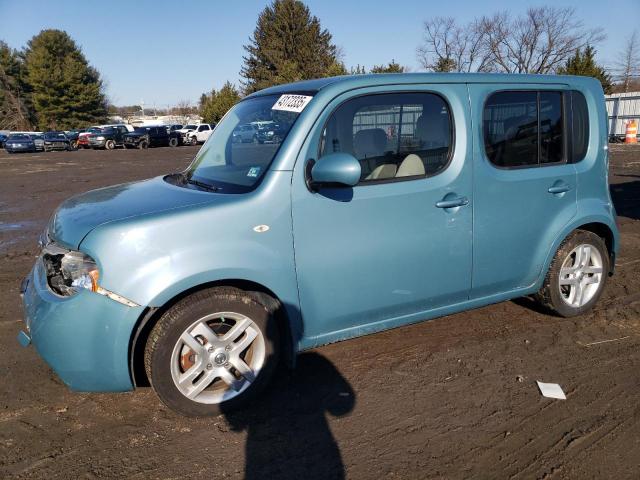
(621, 108)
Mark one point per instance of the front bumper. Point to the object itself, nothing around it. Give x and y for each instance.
(84, 338)
(56, 146)
(21, 148)
(97, 143)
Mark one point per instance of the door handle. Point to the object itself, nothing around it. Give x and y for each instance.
(453, 202)
(561, 188)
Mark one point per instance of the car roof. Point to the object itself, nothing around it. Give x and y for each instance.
(347, 82)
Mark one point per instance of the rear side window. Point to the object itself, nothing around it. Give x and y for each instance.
(524, 128)
(580, 126)
(395, 136)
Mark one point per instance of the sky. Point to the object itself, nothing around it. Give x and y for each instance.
(162, 52)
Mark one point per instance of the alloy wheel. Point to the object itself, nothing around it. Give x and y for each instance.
(581, 275)
(218, 357)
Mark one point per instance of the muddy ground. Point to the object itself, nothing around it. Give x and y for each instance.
(450, 398)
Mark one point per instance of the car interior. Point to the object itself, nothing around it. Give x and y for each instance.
(390, 140)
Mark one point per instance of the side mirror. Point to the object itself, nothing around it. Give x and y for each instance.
(336, 168)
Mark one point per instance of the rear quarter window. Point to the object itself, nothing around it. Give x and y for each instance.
(580, 126)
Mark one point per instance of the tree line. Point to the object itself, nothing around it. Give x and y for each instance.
(50, 85)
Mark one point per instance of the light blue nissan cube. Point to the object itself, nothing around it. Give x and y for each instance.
(357, 204)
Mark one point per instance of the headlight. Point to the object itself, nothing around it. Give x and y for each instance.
(68, 271)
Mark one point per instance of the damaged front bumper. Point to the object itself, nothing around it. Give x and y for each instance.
(84, 338)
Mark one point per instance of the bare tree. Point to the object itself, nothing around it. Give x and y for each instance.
(537, 42)
(15, 113)
(183, 107)
(450, 47)
(628, 64)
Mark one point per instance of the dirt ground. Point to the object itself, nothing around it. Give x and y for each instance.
(449, 398)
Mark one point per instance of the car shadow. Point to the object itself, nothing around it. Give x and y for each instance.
(626, 198)
(288, 434)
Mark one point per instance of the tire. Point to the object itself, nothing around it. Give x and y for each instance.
(577, 275)
(173, 142)
(254, 139)
(255, 351)
(109, 145)
(194, 141)
(143, 145)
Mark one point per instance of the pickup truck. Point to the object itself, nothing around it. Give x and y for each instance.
(108, 138)
(198, 135)
(156, 136)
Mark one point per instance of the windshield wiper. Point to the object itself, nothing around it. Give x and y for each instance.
(202, 185)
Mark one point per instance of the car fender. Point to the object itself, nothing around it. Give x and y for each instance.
(151, 259)
(590, 210)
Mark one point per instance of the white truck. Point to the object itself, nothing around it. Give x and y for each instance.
(194, 134)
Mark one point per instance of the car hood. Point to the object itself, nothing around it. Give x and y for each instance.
(79, 215)
(135, 134)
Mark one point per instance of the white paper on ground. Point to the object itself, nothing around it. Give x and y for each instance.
(551, 390)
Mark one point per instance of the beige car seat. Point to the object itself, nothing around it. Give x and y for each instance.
(387, 170)
(411, 166)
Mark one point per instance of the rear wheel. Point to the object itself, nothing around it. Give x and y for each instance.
(577, 275)
(212, 351)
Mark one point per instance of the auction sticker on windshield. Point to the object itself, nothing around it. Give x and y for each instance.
(292, 103)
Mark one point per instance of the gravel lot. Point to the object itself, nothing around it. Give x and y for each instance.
(450, 398)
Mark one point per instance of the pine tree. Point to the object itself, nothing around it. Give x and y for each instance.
(216, 104)
(66, 91)
(391, 67)
(584, 64)
(288, 44)
(16, 112)
(445, 65)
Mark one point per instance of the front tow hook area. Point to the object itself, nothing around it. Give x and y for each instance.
(24, 339)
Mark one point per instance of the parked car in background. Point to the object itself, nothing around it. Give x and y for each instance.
(83, 137)
(245, 133)
(56, 141)
(72, 136)
(19, 142)
(108, 138)
(173, 128)
(271, 133)
(38, 140)
(145, 137)
(3, 137)
(185, 130)
(200, 134)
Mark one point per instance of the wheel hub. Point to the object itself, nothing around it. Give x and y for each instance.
(220, 358)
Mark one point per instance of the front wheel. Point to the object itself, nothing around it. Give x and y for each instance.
(173, 142)
(194, 140)
(110, 145)
(577, 275)
(143, 145)
(212, 351)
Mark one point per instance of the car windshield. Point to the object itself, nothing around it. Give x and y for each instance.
(142, 129)
(190, 127)
(232, 160)
(19, 137)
